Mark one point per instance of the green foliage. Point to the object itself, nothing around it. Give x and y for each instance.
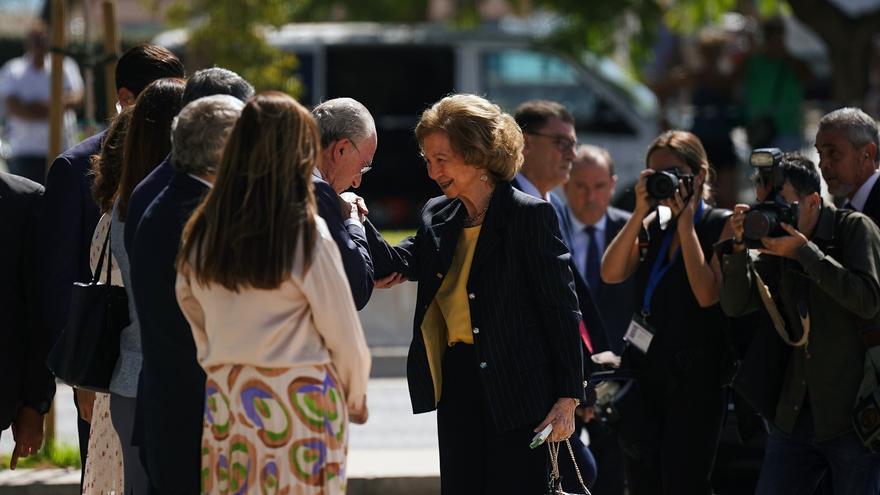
(229, 33)
(59, 455)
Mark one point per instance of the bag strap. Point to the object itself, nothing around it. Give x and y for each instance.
(553, 447)
(775, 316)
(105, 250)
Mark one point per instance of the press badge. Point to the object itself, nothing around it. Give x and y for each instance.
(638, 335)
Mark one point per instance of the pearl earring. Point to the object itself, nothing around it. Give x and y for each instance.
(484, 177)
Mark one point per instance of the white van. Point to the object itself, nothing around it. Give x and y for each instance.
(399, 70)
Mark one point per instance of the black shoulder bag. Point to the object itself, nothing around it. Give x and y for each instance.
(85, 354)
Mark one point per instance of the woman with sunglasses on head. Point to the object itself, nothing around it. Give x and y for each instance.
(671, 421)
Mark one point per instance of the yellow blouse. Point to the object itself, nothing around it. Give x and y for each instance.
(448, 319)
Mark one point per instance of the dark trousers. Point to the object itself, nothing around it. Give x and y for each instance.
(122, 411)
(682, 429)
(610, 475)
(476, 458)
(795, 464)
(29, 167)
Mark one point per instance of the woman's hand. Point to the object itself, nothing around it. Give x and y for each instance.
(359, 416)
(389, 281)
(561, 416)
(27, 431)
(683, 209)
(85, 402)
(644, 202)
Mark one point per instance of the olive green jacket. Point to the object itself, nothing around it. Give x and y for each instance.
(837, 274)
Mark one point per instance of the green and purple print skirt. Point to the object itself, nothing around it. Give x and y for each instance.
(274, 431)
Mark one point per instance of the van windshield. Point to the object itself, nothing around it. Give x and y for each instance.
(512, 76)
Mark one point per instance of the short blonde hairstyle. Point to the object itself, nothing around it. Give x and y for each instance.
(479, 132)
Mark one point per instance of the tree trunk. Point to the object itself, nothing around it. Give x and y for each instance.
(849, 45)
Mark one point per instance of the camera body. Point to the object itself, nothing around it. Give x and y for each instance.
(663, 184)
(765, 219)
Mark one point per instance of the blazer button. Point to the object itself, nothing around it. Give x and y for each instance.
(484, 365)
(471, 296)
(476, 330)
(439, 275)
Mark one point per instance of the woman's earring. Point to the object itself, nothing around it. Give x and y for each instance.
(484, 177)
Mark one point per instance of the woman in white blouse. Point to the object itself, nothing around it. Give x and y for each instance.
(261, 282)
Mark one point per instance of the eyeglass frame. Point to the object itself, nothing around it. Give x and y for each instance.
(364, 168)
(559, 141)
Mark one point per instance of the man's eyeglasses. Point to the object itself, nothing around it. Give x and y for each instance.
(367, 166)
(562, 143)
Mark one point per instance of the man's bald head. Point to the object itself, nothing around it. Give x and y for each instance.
(591, 184)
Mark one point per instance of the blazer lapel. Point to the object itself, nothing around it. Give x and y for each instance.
(493, 225)
(444, 230)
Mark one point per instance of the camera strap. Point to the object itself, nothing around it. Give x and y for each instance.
(776, 316)
(662, 264)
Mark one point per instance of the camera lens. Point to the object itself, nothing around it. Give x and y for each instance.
(662, 185)
(758, 224)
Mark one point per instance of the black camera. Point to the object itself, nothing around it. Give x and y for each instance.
(663, 184)
(765, 219)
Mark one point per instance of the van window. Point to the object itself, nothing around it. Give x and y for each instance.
(513, 76)
(396, 83)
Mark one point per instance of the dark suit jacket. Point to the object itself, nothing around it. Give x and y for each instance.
(23, 344)
(587, 302)
(521, 294)
(616, 301)
(144, 194)
(351, 241)
(872, 206)
(171, 390)
(68, 222)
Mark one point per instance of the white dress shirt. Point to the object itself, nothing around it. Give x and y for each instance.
(580, 241)
(861, 196)
(530, 189)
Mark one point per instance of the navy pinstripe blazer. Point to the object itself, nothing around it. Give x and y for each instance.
(522, 300)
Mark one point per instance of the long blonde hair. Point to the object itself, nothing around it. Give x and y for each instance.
(245, 232)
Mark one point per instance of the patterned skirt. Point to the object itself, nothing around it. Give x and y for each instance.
(274, 431)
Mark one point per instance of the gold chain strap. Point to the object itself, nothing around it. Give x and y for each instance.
(553, 447)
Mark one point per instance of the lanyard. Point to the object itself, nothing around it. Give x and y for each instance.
(661, 266)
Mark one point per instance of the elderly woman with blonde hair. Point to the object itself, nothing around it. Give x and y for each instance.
(495, 344)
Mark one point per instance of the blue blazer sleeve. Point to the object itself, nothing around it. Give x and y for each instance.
(352, 243)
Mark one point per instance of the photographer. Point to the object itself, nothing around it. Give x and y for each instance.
(823, 278)
(670, 424)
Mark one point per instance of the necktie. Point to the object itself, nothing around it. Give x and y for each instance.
(592, 265)
(848, 206)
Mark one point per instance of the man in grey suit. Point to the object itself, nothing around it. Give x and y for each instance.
(593, 226)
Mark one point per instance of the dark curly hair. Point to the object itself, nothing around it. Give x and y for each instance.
(107, 167)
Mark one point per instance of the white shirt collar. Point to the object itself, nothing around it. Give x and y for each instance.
(530, 189)
(861, 196)
(203, 181)
(577, 226)
(317, 173)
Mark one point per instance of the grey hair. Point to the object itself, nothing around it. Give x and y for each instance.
(343, 118)
(199, 133)
(858, 127)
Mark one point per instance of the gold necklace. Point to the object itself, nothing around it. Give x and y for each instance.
(472, 220)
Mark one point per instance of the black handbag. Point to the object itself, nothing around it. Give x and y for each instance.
(85, 354)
